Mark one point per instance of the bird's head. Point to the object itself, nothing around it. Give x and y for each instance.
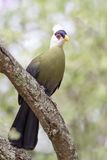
(59, 36)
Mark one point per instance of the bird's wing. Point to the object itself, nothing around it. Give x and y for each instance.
(33, 69)
(59, 83)
(57, 87)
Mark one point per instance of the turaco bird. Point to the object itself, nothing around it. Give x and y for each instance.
(48, 70)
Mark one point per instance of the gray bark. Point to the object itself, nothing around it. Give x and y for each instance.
(42, 106)
(8, 152)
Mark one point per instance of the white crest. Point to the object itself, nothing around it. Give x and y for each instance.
(57, 27)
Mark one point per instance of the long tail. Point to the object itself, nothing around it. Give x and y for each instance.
(27, 125)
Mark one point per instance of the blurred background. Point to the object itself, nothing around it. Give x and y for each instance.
(26, 28)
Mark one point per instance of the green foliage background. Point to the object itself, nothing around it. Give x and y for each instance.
(26, 27)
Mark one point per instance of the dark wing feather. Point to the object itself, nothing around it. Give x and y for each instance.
(33, 68)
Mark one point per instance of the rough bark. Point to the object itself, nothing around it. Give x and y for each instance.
(43, 107)
(8, 152)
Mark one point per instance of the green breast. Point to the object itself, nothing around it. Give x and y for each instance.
(52, 65)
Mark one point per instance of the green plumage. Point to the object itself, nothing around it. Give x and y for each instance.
(48, 70)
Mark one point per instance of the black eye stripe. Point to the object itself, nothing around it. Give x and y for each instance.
(61, 32)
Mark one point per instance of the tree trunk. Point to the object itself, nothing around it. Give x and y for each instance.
(42, 106)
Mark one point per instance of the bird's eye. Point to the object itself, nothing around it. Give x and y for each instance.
(58, 36)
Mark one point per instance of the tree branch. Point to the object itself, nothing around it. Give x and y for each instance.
(8, 152)
(43, 107)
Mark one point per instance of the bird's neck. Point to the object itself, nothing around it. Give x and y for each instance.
(54, 42)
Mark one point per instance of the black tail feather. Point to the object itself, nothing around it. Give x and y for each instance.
(30, 137)
(27, 124)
